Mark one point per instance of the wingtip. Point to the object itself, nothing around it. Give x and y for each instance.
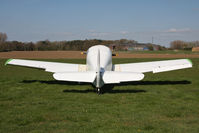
(7, 61)
(190, 61)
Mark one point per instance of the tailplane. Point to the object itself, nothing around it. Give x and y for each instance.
(111, 77)
(88, 76)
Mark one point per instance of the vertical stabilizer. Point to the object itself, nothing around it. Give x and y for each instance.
(98, 61)
(98, 70)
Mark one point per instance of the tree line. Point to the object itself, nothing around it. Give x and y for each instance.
(48, 45)
(83, 45)
(183, 45)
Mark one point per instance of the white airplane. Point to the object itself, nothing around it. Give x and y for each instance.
(99, 69)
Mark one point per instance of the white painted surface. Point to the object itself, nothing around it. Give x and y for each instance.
(117, 77)
(105, 58)
(99, 69)
(155, 66)
(88, 76)
(48, 66)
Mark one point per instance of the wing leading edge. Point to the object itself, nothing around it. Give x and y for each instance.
(48, 66)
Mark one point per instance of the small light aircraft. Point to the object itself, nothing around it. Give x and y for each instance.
(99, 69)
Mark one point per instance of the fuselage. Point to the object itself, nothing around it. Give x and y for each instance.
(99, 59)
(105, 58)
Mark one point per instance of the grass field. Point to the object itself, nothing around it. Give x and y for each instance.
(32, 101)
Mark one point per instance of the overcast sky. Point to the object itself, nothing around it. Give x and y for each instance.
(165, 20)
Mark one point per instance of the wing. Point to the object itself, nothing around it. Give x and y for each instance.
(155, 66)
(48, 66)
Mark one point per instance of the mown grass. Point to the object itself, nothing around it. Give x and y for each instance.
(32, 101)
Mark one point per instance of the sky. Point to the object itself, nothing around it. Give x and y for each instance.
(140, 20)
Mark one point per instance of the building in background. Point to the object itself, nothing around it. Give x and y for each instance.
(195, 49)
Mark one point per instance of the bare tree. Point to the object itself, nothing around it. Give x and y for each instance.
(3, 37)
(177, 44)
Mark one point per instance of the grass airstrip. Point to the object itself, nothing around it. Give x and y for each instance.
(32, 101)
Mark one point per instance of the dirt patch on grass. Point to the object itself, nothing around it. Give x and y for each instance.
(78, 55)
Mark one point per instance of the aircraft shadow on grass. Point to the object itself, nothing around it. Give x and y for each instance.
(109, 88)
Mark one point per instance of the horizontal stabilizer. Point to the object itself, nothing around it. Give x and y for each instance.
(88, 76)
(117, 77)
